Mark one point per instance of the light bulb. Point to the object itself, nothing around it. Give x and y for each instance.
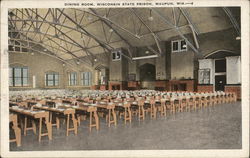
(238, 38)
(150, 18)
(111, 30)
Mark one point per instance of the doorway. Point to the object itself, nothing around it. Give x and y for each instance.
(220, 82)
(147, 76)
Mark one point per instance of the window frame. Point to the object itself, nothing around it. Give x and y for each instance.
(88, 80)
(179, 46)
(13, 77)
(72, 81)
(54, 79)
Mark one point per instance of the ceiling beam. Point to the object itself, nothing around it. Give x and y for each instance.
(114, 23)
(45, 21)
(106, 46)
(52, 55)
(176, 28)
(110, 26)
(115, 31)
(232, 20)
(56, 29)
(192, 26)
(36, 43)
(156, 38)
(189, 19)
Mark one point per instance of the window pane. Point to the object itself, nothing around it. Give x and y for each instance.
(56, 77)
(56, 83)
(50, 83)
(175, 46)
(11, 48)
(74, 76)
(17, 72)
(25, 81)
(17, 48)
(183, 45)
(50, 77)
(25, 72)
(18, 81)
(10, 72)
(24, 50)
(90, 78)
(10, 81)
(220, 65)
(83, 75)
(85, 82)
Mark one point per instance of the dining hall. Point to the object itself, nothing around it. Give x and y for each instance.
(165, 78)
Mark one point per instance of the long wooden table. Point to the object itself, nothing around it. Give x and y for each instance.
(110, 107)
(92, 110)
(63, 110)
(17, 130)
(35, 115)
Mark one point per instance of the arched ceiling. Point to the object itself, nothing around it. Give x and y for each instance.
(87, 32)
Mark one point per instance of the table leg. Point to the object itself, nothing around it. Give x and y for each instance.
(67, 133)
(130, 115)
(34, 126)
(25, 125)
(57, 123)
(114, 116)
(49, 127)
(90, 121)
(40, 129)
(96, 120)
(74, 123)
(109, 117)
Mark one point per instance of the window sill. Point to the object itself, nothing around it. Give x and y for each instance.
(77, 86)
(51, 87)
(20, 87)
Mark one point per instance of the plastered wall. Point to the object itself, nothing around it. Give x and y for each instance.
(38, 65)
(184, 64)
(233, 70)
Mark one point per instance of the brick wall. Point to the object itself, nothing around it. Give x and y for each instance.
(120, 85)
(234, 88)
(161, 85)
(190, 85)
(205, 88)
(103, 87)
